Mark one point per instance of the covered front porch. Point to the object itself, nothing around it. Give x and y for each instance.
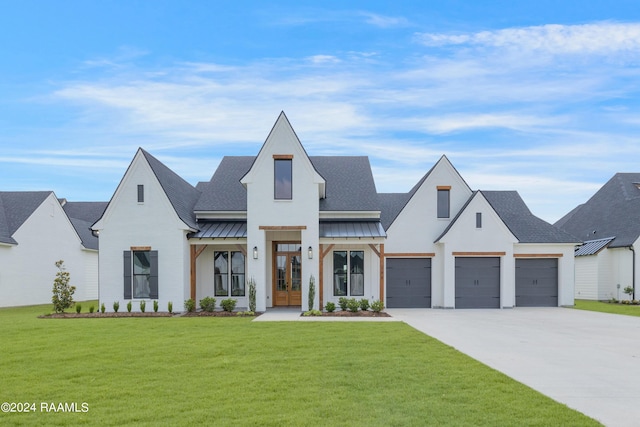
(218, 262)
(346, 261)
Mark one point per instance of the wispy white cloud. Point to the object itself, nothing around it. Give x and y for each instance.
(503, 114)
(383, 21)
(462, 122)
(323, 59)
(598, 38)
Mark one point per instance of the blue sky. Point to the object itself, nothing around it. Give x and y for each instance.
(540, 97)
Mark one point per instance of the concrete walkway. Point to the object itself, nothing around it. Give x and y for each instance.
(589, 361)
(294, 315)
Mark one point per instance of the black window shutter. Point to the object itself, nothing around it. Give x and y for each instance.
(153, 277)
(127, 274)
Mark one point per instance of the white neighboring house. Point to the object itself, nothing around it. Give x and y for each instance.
(35, 232)
(609, 226)
(283, 218)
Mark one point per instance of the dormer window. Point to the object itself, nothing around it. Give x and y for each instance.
(443, 201)
(282, 177)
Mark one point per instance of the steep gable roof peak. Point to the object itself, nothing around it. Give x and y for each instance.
(182, 195)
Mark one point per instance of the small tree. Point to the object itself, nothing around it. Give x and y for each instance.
(312, 291)
(252, 295)
(62, 293)
(629, 291)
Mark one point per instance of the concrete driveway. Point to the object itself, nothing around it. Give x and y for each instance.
(589, 361)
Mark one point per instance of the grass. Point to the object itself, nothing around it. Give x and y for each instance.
(605, 307)
(231, 371)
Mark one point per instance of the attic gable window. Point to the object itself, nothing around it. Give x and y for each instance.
(443, 201)
(282, 177)
(140, 193)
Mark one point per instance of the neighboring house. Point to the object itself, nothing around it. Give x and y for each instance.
(35, 232)
(82, 216)
(609, 225)
(283, 218)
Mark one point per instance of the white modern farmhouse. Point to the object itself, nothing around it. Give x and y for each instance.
(283, 218)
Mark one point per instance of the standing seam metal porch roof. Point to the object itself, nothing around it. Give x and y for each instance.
(592, 247)
(220, 230)
(351, 229)
(328, 229)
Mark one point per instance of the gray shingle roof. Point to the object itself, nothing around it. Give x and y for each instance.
(82, 216)
(349, 184)
(225, 192)
(391, 204)
(525, 226)
(182, 195)
(614, 210)
(15, 208)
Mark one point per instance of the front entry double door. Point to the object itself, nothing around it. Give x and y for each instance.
(287, 271)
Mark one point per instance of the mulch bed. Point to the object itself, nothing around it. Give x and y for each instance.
(355, 314)
(217, 314)
(138, 314)
(99, 315)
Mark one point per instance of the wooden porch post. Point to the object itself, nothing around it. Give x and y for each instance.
(194, 253)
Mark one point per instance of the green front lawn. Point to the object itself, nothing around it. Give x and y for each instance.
(231, 371)
(605, 307)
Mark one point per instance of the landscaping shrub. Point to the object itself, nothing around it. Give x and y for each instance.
(190, 305)
(78, 308)
(377, 306)
(116, 306)
(129, 306)
(629, 291)
(252, 295)
(155, 306)
(103, 308)
(208, 304)
(245, 313)
(342, 302)
(143, 306)
(170, 307)
(312, 313)
(330, 307)
(228, 304)
(353, 305)
(364, 304)
(91, 309)
(62, 293)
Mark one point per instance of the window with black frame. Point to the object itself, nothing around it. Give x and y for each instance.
(348, 273)
(229, 273)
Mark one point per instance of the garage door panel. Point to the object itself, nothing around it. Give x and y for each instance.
(537, 282)
(477, 282)
(408, 282)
